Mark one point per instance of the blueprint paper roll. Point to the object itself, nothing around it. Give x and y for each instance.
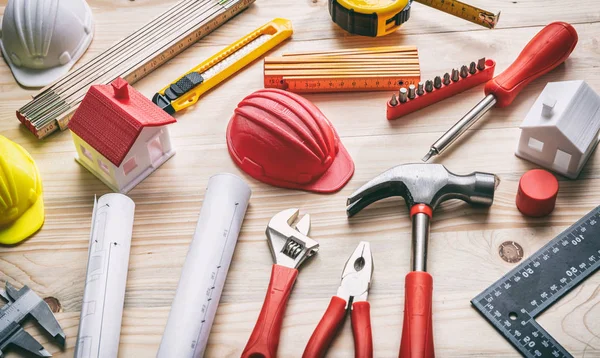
(205, 268)
(108, 261)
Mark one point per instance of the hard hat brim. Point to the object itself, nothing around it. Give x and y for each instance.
(28, 77)
(338, 174)
(26, 225)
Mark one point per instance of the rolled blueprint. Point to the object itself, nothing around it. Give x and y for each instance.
(108, 260)
(205, 268)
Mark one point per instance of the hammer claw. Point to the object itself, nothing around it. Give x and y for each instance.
(428, 184)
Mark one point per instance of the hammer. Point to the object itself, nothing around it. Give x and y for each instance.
(423, 187)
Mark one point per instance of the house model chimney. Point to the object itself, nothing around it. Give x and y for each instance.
(548, 106)
(121, 89)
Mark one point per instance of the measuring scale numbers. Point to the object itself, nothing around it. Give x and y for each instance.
(513, 302)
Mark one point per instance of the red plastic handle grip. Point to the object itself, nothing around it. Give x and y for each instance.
(361, 328)
(417, 333)
(331, 322)
(264, 339)
(548, 49)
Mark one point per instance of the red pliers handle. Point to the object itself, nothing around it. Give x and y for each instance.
(333, 320)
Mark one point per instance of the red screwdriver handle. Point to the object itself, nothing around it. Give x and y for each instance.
(361, 328)
(417, 332)
(548, 49)
(264, 339)
(331, 322)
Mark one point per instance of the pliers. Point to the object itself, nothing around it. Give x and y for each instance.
(351, 296)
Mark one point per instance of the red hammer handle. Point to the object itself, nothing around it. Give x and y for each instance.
(548, 49)
(417, 332)
(264, 339)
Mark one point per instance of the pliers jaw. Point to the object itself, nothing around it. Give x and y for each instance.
(357, 275)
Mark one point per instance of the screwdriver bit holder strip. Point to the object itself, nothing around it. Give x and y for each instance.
(439, 94)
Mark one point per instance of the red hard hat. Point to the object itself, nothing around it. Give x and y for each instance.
(284, 140)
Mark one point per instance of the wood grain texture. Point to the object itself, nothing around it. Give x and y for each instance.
(463, 254)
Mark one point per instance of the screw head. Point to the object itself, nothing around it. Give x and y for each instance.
(510, 251)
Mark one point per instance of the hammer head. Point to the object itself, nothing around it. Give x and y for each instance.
(422, 183)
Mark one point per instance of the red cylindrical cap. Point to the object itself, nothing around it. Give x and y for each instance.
(537, 193)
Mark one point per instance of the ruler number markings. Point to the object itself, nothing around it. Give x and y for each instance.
(549, 274)
(215, 273)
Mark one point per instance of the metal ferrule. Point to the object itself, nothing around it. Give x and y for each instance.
(420, 240)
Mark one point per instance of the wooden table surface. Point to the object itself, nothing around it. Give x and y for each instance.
(463, 253)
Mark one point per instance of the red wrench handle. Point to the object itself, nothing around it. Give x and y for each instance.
(548, 49)
(417, 332)
(264, 339)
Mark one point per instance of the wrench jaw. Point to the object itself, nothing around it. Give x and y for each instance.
(290, 246)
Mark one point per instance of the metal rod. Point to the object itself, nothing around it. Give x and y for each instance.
(461, 126)
(420, 239)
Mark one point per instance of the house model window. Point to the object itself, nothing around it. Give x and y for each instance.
(536, 144)
(155, 150)
(122, 134)
(104, 166)
(129, 165)
(561, 129)
(86, 153)
(562, 160)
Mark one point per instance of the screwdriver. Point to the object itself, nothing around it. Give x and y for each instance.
(548, 49)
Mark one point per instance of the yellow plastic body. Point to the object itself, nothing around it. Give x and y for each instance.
(21, 196)
(279, 29)
(385, 10)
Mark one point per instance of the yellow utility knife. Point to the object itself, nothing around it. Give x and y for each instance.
(186, 90)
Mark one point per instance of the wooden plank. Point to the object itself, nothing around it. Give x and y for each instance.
(463, 254)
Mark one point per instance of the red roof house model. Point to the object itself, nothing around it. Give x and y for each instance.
(111, 117)
(120, 136)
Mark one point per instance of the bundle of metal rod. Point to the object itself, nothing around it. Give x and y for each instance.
(364, 69)
(131, 58)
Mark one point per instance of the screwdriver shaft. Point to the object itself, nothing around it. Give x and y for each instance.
(461, 126)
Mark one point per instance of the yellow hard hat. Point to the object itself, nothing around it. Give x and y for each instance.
(21, 199)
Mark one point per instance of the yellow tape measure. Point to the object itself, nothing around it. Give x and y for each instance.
(187, 89)
(464, 11)
(382, 17)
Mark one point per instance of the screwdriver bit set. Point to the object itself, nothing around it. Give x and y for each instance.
(413, 98)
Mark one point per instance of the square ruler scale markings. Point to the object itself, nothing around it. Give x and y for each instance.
(512, 303)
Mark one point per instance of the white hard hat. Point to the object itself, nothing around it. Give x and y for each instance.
(42, 39)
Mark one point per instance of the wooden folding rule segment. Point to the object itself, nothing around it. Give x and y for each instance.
(362, 69)
(131, 58)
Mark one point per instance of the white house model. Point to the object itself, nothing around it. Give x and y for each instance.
(120, 135)
(560, 131)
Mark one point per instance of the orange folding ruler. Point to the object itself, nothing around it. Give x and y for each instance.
(363, 69)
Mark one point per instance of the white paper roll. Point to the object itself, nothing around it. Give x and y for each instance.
(205, 268)
(108, 261)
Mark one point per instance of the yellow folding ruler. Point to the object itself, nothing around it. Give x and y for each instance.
(186, 90)
(464, 11)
